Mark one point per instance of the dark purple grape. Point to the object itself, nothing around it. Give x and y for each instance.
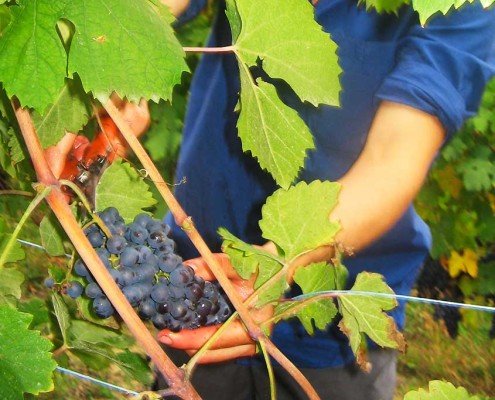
(168, 261)
(117, 276)
(177, 292)
(49, 282)
(80, 268)
(168, 246)
(193, 292)
(129, 257)
(210, 292)
(223, 312)
(147, 309)
(173, 324)
(137, 234)
(145, 253)
(128, 276)
(156, 239)
(145, 272)
(118, 228)
(75, 289)
(116, 244)
(203, 307)
(133, 294)
(96, 239)
(181, 276)
(159, 321)
(142, 220)
(102, 307)
(177, 309)
(93, 291)
(160, 293)
(104, 256)
(200, 281)
(162, 308)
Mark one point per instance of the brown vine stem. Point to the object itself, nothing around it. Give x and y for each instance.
(225, 49)
(186, 223)
(56, 200)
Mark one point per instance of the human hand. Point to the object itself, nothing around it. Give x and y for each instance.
(75, 153)
(235, 341)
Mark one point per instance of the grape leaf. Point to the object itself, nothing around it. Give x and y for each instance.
(364, 314)
(315, 278)
(248, 260)
(384, 6)
(6, 163)
(5, 17)
(273, 132)
(478, 174)
(82, 331)
(32, 57)
(52, 236)
(113, 189)
(16, 253)
(62, 314)
(297, 219)
(26, 365)
(38, 309)
(291, 45)
(165, 133)
(15, 148)
(439, 390)
(69, 112)
(111, 49)
(234, 18)
(10, 283)
(136, 367)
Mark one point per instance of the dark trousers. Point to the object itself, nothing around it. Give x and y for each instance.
(231, 381)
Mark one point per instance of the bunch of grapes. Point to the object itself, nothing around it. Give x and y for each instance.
(142, 261)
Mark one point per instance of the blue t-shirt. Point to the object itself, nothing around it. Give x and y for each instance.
(441, 69)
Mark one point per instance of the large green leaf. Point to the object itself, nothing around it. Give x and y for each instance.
(52, 236)
(248, 260)
(32, 57)
(316, 278)
(16, 253)
(291, 46)
(425, 8)
(26, 365)
(69, 112)
(273, 132)
(365, 314)
(297, 220)
(92, 334)
(10, 283)
(124, 45)
(121, 186)
(62, 314)
(439, 390)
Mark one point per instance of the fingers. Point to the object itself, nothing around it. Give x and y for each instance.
(234, 336)
(214, 356)
(56, 155)
(201, 267)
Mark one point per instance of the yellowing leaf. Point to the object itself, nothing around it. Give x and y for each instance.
(467, 262)
(449, 181)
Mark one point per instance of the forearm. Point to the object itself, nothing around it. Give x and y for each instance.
(382, 183)
(177, 7)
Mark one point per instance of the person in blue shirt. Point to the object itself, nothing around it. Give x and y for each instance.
(405, 90)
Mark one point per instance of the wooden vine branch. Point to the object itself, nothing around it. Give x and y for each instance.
(186, 223)
(56, 200)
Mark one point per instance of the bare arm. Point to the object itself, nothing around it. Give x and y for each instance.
(177, 7)
(401, 145)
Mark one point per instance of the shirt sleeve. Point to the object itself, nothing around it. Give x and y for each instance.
(442, 69)
(195, 7)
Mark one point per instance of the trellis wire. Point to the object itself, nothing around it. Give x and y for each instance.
(95, 381)
(412, 299)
